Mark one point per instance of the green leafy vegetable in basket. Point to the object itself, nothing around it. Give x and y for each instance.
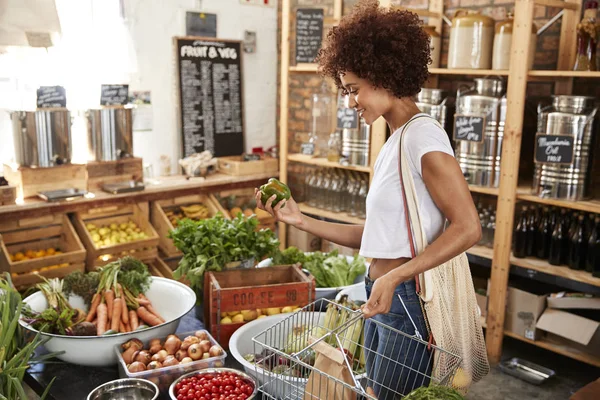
(82, 284)
(210, 244)
(434, 393)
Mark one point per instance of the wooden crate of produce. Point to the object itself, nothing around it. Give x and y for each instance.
(8, 195)
(255, 290)
(49, 247)
(158, 267)
(127, 169)
(164, 215)
(242, 200)
(140, 239)
(30, 181)
(234, 165)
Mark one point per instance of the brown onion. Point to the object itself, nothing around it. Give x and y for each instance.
(136, 367)
(143, 357)
(188, 341)
(215, 351)
(186, 360)
(172, 344)
(195, 352)
(205, 356)
(160, 356)
(154, 365)
(155, 346)
(170, 361)
(202, 335)
(205, 345)
(181, 354)
(133, 343)
(128, 354)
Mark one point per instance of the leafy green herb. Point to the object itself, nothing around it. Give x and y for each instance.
(434, 392)
(82, 284)
(134, 275)
(209, 244)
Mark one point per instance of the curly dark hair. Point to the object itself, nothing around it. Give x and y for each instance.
(389, 48)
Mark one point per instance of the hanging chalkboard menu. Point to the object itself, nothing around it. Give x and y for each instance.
(51, 96)
(554, 149)
(469, 127)
(309, 34)
(347, 118)
(111, 95)
(210, 95)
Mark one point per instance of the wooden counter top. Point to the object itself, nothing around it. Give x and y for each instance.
(157, 189)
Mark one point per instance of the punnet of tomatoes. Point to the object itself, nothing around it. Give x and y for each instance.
(221, 385)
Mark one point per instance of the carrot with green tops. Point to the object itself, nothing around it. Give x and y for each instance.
(148, 317)
(122, 327)
(109, 297)
(150, 308)
(93, 307)
(117, 307)
(125, 312)
(133, 319)
(102, 312)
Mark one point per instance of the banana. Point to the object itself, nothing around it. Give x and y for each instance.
(192, 209)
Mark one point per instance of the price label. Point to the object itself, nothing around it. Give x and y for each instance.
(308, 149)
(114, 95)
(51, 97)
(469, 127)
(554, 149)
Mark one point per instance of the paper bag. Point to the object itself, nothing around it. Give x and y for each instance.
(329, 364)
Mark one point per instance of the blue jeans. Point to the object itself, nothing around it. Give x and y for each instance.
(397, 364)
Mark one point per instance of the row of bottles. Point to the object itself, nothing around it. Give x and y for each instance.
(560, 236)
(487, 218)
(338, 191)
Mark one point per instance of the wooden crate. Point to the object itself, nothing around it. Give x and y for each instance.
(54, 231)
(250, 289)
(158, 267)
(8, 195)
(244, 198)
(102, 172)
(163, 226)
(30, 181)
(144, 249)
(234, 165)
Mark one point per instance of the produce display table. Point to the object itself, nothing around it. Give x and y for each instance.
(74, 382)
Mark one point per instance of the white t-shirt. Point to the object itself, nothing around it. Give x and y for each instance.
(385, 234)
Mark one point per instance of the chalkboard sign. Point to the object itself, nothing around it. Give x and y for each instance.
(469, 127)
(309, 34)
(347, 118)
(554, 149)
(114, 95)
(308, 149)
(51, 96)
(210, 95)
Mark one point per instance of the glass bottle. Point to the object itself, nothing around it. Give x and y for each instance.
(323, 119)
(577, 247)
(520, 235)
(326, 191)
(355, 200)
(362, 198)
(334, 147)
(490, 231)
(587, 37)
(483, 220)
(349, 193)
(314, 188)
(543, 236)
(557, 244)
(532, 223)
(592, 262)
(306, 191)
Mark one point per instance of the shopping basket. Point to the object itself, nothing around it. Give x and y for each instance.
(286, 366)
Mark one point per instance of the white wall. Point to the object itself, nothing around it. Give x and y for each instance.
(154, 23)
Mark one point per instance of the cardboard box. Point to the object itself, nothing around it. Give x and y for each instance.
(585, 302)
(578, 332)
(522, 312)
(304, 241)
(479, 284)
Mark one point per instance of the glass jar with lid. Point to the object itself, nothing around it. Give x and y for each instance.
(334, 147)
(323, 120)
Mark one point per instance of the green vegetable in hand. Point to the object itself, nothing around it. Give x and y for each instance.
(274, 187)
(434, 393)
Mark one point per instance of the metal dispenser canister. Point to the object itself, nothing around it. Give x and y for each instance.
(432, 102)
(480, 159)
(110, 133)
(564, 139)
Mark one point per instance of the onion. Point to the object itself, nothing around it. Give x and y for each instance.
(128, 354)
(188, 341)
(205, 356)
(154, 365)
(205, 346)
(155, 346)
(202, 335)
(136, 367)
(215, 351)
(133, 343)
(195, 352)
(170, 361)
(143, 356)
(181, 354)
(160, 356)
(186, 360)
(172, 344)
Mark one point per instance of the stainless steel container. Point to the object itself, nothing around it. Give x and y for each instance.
(574, 116)
(125, 389)
(110, 133)
(355, 145)
(480, 161)
(432, 102)
(42, 138)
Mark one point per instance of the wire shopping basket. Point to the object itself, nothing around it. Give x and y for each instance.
(389, 367)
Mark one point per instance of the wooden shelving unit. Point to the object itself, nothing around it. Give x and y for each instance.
(323, 162)
(509, 193)
(342, 217)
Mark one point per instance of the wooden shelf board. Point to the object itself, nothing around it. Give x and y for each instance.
(304, 68)
(564, 74)
(461, 71)
(557, 4)
(563, 349)
(323, 162)
(540, 266)
(484, 190)
(342, 217)
(592, 206)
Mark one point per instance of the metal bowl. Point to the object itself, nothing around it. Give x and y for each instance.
(123, 389)
(214, 371)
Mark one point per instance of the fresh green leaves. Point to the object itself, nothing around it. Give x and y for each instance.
(434, 392)
(328, 269)
(134, 275)
(81, 284)
(209, 244)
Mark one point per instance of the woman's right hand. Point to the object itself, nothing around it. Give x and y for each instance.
(290, 214)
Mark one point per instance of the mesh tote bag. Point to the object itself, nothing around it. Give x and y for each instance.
(448, 297)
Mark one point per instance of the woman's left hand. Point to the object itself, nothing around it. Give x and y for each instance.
(381, 297)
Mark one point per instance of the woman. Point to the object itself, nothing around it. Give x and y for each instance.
(379, 58)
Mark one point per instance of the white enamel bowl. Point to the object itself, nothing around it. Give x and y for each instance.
(171, 299)
(325, 293)
(242, 343)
